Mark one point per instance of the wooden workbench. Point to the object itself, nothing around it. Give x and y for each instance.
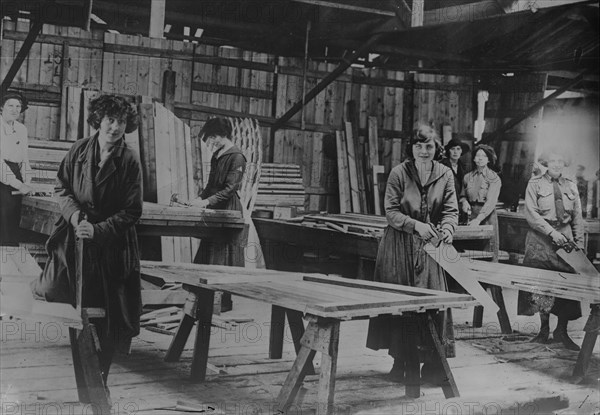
(279, 238)
(513, 228)
(324, 301)
(575, 287)
(40, 213)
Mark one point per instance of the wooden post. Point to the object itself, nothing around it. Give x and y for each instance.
(408, 109)
(168, 89)
(157, 18)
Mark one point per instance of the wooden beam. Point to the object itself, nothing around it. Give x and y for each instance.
(343, 6)
(417, 13)
(22, 54)
(510, 124)
(157, 18)
(328, 80)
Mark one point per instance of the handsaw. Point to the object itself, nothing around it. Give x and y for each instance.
(451, 261)
(575, 257)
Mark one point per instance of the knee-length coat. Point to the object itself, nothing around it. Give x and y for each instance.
(111, 197)
(401, 258)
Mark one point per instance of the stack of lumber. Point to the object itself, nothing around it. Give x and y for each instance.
(280, 185)
(45, 157)
(361, 176)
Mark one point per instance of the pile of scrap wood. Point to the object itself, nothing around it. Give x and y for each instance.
(166, 320)
(280, 185)
(361, 172)
(348, 223)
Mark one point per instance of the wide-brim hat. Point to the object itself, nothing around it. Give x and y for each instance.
(14, 95)
(457, 143)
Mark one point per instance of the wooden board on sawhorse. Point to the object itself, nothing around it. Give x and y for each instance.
(197, 310)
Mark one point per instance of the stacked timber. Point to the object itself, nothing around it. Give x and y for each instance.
(45, 157)
(361, 175)
(280, 185)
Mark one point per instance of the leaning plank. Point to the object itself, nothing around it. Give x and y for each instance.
(344, 184)
(447, 257)
(352, 170)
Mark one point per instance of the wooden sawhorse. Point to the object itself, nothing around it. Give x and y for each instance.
(322, 335)
(592, 329)
(199, 308)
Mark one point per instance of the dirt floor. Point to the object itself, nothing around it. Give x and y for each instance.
(495, 374)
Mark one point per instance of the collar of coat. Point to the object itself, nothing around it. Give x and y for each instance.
(437, 172)
(231, 150)
(561, 180)
(88, 158)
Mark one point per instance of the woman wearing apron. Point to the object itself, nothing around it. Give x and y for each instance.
(553, 212)
(15, 165)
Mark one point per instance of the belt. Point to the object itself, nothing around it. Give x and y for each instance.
(556, 223)
(477, 203)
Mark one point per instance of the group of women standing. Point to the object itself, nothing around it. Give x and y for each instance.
(424, 195)
(99, 189)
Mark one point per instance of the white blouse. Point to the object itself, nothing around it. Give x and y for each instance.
(13, 147)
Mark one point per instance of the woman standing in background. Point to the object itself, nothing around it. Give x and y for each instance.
(14, 162)
(481, 188)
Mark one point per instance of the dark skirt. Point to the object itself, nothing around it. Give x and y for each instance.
(402, 260)
(539, 253)
(10, 210)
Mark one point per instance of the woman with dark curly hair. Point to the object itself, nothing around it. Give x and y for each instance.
(420, 192)
(553, 212)
(99, 190)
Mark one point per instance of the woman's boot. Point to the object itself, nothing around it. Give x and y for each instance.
(542, 336)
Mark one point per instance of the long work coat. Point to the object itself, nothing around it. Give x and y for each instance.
(224, 181)
(401, 258)
(111, 197)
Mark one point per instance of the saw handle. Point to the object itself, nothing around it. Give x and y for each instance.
(569, 247)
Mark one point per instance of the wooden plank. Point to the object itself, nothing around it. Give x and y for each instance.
(73, 113)
(447, 257)
(163, 169)
(352, 170)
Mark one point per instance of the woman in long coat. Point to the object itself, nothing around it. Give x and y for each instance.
(99, 190)
(553, 212)
(419, 192)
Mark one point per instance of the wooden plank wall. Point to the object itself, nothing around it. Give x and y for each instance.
(221, 80)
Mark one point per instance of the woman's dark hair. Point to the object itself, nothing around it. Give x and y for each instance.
(215, 126)
(422, 134)
(545, 155)
(491, 155)
(14, 95)
(115, 107)
(456, 143)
